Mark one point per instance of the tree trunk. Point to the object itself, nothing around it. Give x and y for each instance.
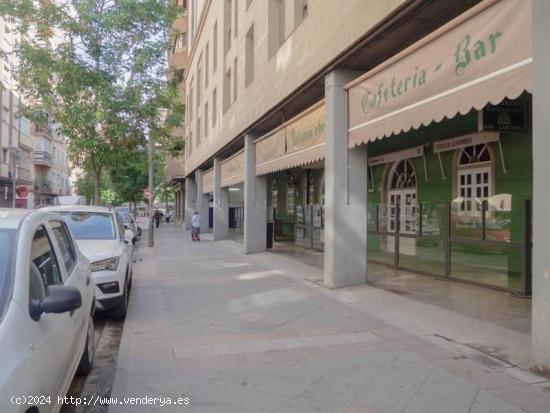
(97, 187)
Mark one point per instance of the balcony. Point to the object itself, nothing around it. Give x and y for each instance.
(43, 185)
(42, 158)
(175, 167)
(45, 130)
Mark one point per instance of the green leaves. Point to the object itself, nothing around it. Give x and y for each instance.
(99, 68)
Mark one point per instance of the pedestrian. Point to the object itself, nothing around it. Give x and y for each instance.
(156, 217)
(195, 227)
(167, 217)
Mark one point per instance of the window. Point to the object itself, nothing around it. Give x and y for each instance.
(44, 269)
(65, 244)
(215, 47)
(235, 80)
(403, 175)
(275, 25)
(206, 120)
(236, 13)
(474, 177)
(227, 90)
(191, 102)
(198, 131)
(214, 106)
(206, 64)
(227, 25)
(249, 56)
(90, 225)
(300, 11)
(199, 83)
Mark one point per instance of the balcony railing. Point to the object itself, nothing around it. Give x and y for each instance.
(42, 158)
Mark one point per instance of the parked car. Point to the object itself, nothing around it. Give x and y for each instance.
(46, 311)
(102, 238)
(129, 221)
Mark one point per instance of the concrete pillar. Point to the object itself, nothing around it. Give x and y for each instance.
(190, 200)
(255, 202)
(345, 191)
(540, 342)
(221, 205)
(202, 202)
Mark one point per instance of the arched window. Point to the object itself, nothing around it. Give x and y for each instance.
(403, 175)
(474, 177)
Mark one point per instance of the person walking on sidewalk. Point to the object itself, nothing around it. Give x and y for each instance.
(195, 227)
(156, 216)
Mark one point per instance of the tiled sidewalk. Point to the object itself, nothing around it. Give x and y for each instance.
(256, 333)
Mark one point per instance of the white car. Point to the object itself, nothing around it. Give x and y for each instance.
(102, 238)
(46, 311)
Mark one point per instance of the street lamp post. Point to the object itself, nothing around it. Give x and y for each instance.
(15, 157)
(151, 239)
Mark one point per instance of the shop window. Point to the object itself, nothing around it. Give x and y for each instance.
(402, 195)
(403, 175)
(474, 177)
(274, 194)
(290, 198)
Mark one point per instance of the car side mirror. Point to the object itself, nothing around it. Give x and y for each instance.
(59, 299)
(128, 236)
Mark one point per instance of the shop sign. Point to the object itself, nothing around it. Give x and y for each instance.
(508, 115)
(476, 138)
(22, 192)
(307, 131)
(481, 56)
(232, 170)
(271, 148)
(397, 156)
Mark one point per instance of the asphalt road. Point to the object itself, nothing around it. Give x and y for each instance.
(99, 382)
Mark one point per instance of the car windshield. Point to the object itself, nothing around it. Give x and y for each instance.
(7, 243)
(123, 215)
(90, 225)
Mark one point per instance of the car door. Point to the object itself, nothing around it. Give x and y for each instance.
(74, 278)
(128, 247)
(52, 333)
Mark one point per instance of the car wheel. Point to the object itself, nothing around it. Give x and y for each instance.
(121, 309)
(87, 360)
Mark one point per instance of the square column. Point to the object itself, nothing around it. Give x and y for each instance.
(202, 202)
(255, 202)
(540, 340)
(345, 191)
(221, 205)
(190, 200)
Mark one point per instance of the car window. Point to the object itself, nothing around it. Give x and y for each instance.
(7, 245)
(43, 265)
(120, 225)
(63, 239)
(90, 225)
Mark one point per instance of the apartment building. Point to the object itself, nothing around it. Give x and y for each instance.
(395, 132)
(16, 145)
(34, 158)
(51, 164)
(177, 60)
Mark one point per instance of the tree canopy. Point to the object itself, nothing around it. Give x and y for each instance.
(99, 68)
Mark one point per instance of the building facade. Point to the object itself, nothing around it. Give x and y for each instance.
(16, 166)
(398, 132)
(177, 61)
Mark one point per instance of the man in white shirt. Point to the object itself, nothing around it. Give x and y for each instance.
(195, 227)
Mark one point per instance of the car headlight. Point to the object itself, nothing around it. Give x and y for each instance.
(110, 264)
